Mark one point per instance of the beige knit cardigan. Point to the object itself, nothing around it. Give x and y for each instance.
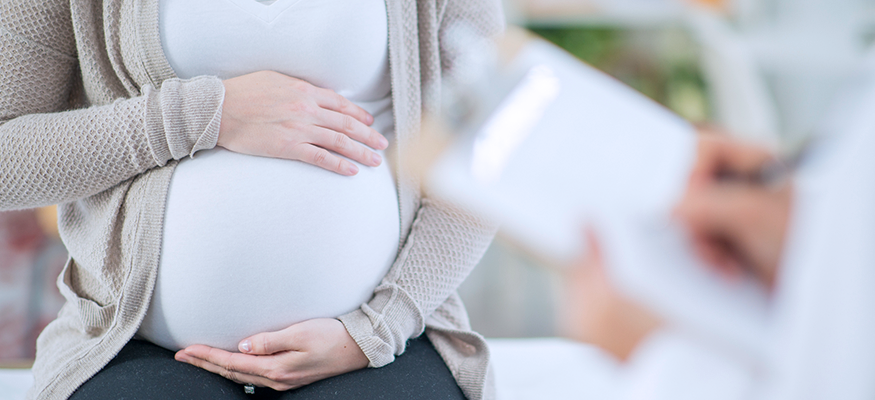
(93, 118)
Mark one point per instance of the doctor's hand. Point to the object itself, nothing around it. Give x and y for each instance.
(735, 226)
(273, 115)
(596, 312)
(293, 357)
(717, 154)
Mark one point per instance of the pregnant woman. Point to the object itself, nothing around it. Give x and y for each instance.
(232, 198)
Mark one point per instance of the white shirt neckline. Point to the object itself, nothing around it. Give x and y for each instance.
(265, 12)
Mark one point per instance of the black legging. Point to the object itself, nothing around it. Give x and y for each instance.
(143, 370)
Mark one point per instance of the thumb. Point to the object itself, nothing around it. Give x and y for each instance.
(267, 343)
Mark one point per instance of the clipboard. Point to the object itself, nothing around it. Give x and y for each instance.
(552, 145)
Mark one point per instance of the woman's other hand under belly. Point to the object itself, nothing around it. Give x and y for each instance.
(273, 115)
(293, 357)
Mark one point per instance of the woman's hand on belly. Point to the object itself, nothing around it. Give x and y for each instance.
(274, 115)
(293, 357)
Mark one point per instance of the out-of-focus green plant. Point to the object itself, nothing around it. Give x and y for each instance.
(594, 45)
(662, 64)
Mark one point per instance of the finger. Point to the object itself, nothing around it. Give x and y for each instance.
(235, 376)
(749, 222)
(709, 251)
(593, 245)
(351, 127)
(594, 272)
(272, 342)
(721, 210)
(342, 144)
(744, 155)
(235, 362)
(725, 220)
(324, 159)
(718, 153)
(718, 256)
(593, 261)
(330, 100)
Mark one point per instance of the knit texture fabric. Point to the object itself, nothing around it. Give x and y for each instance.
(92, 117)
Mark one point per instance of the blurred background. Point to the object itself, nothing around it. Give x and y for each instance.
(764, 70)
(761, 69)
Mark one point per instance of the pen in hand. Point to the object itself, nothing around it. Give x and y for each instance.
(772, 174)
(736, 207)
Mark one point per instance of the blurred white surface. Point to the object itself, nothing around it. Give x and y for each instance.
(552, 368)
(14, 383)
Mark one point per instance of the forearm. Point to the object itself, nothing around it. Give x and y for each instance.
(60, 157)
(50, 155)
(444, 245)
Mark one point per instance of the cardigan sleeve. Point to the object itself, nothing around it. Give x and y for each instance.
(50, 154)
(444, 245)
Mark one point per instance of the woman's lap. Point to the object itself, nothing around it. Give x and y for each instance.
(143, 370)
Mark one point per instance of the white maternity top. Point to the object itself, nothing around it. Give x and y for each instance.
(256, 244)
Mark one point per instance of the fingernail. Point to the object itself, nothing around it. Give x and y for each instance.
(182, 357)
(353, 170)
(384, 143)
(245, 346)
(376, 159)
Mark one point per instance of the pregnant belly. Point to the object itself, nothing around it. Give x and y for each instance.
(255, 244)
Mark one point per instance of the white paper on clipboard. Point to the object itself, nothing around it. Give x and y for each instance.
(569, 146)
